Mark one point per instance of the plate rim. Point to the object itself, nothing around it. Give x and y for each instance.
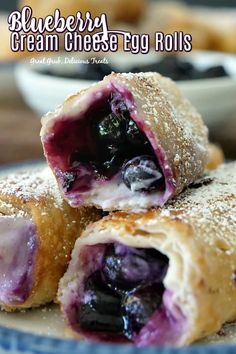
(13, 340)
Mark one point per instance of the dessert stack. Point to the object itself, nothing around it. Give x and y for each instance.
(148, 273)
(128, 188)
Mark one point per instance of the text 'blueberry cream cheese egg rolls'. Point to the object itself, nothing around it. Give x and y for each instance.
(129, 142)
(37, 233)
(161, 277)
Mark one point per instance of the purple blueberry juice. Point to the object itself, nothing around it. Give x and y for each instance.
(121, 296)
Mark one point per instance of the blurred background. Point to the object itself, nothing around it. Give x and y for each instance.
(12, 4)
(207, 76)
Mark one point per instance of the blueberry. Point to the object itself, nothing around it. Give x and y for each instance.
(125, 267)
(68, 180)
(109, 134)
(119, 106)
(91, 320)
(101, 309)
(112, 165)
(142, 173)
(121, 296)
(134, 136)
(139, 305)
(123, 270)
(84, 71)
(100, 297)
(173, 67)
(109, 162)
(123, 109)
(215, 71)
(110, 129)
(158, 265)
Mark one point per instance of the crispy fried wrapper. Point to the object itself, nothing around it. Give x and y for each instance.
(146, 107)
(38, 231)
(171, 270)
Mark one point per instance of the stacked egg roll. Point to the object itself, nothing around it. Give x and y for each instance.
(161, 277)
(129, 142)
(38, 232)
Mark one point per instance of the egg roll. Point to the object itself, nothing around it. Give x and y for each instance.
(162, 277)
(215, 157)
(37, 234)
(129, 142)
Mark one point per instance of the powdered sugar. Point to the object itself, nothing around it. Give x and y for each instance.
(30, 185)
(211, 198)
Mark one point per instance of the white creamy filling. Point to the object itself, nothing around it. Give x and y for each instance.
(114, 194)
(15, 255)
(140, 184)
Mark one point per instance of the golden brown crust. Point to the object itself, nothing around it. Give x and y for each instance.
(215, 157)
(198, 234)
(36, 196)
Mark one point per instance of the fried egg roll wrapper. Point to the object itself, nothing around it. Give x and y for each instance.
(215, 157)
(129, 142)
(172, 269)
(38, 231)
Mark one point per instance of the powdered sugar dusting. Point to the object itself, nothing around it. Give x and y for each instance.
(171, 124)
(30, 185)
(211, 198)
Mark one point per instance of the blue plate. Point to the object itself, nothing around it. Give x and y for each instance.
(17, 342)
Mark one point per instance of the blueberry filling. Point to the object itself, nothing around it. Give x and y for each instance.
(139, 305)
(118, 139)
(101, 310)
(103, 142)
(125, 267)
(142, 174)
(18, 245)
(69, 179)
(121, 296)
